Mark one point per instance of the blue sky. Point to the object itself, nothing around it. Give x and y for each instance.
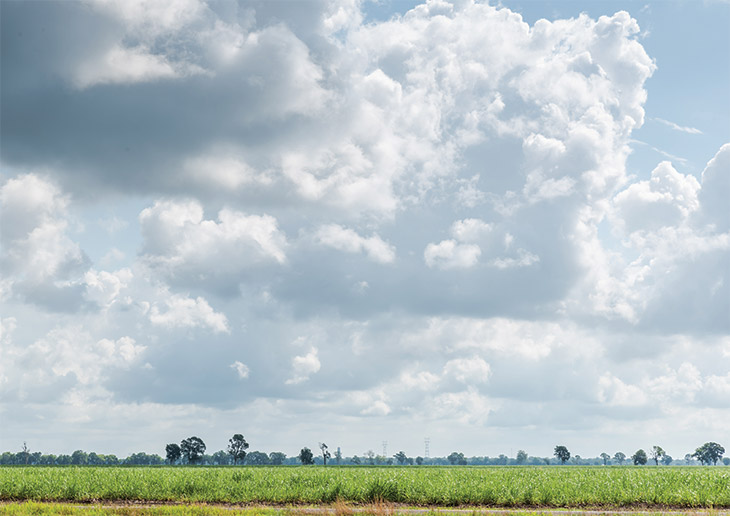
(501, 226)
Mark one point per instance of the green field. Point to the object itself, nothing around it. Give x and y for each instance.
(653, 487)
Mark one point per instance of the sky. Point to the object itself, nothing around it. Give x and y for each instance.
(499, 226)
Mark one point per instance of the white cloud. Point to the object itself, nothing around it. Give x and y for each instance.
(347, 240)
(224, 170)
(715, 188)
(473, 370)
(448, 254)
(180, 242)
(532, 340)
(241, 369)
(121, 65)
(304, 366)
(103, 287)
(665, 200)
(523, 259)
(41, 264)
(65, 360)
(677, 127)
(470, 230)
(186, 312)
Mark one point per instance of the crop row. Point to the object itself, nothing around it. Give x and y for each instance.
(506, 487)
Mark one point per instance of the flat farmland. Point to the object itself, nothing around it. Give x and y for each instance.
(507, 487)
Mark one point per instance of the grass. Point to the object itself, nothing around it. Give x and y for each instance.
(42, 509)
(651, 487)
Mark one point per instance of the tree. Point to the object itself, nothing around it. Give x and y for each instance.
(221, 458)
(521, 456)
(667, 459)
(370, 454)
(79, 458)
(400, 457)
(306, 457)
(192, 449)
(639, 457)
(173, 453)
(656, 453)
(419, 460)
(355, 460)
(709, 453)
(455, 458)
(25, 454)
(687, 459)
(237, 447)
(562, 453)
(95, 460)
(277, 458)
(619, 457)
(257, 458)
(605, 456)
(325, 453)
(338, 456)
(726, 461)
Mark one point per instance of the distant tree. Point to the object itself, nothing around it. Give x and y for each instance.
(79, 458)
(277, 458)
(192, 449)
(338, 456)
(619, 457)
(47, 460)
(355, 460)
(605, 456)
(111, 460)
(143, 459)
(306, 457)
(370, 454)
(400, 457)
(709, 453)
(455, 458)
(667, 459)
(257, 458)
(95, 460)
(687, 459)
(656, 454)
(24, 454)
(726, 461)
(562, 454)
(639, 457)
(547, 461)
(221, 458)
(173, 453)
(237, 447)
(419, 460)
(521, 456)
(325, 453)
(63, 460)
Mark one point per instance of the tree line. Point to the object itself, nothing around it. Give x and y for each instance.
(708, 454)
(191, 451)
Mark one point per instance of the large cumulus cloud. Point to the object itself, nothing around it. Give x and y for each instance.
(416, 221)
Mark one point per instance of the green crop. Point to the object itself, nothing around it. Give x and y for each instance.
(681, 487)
